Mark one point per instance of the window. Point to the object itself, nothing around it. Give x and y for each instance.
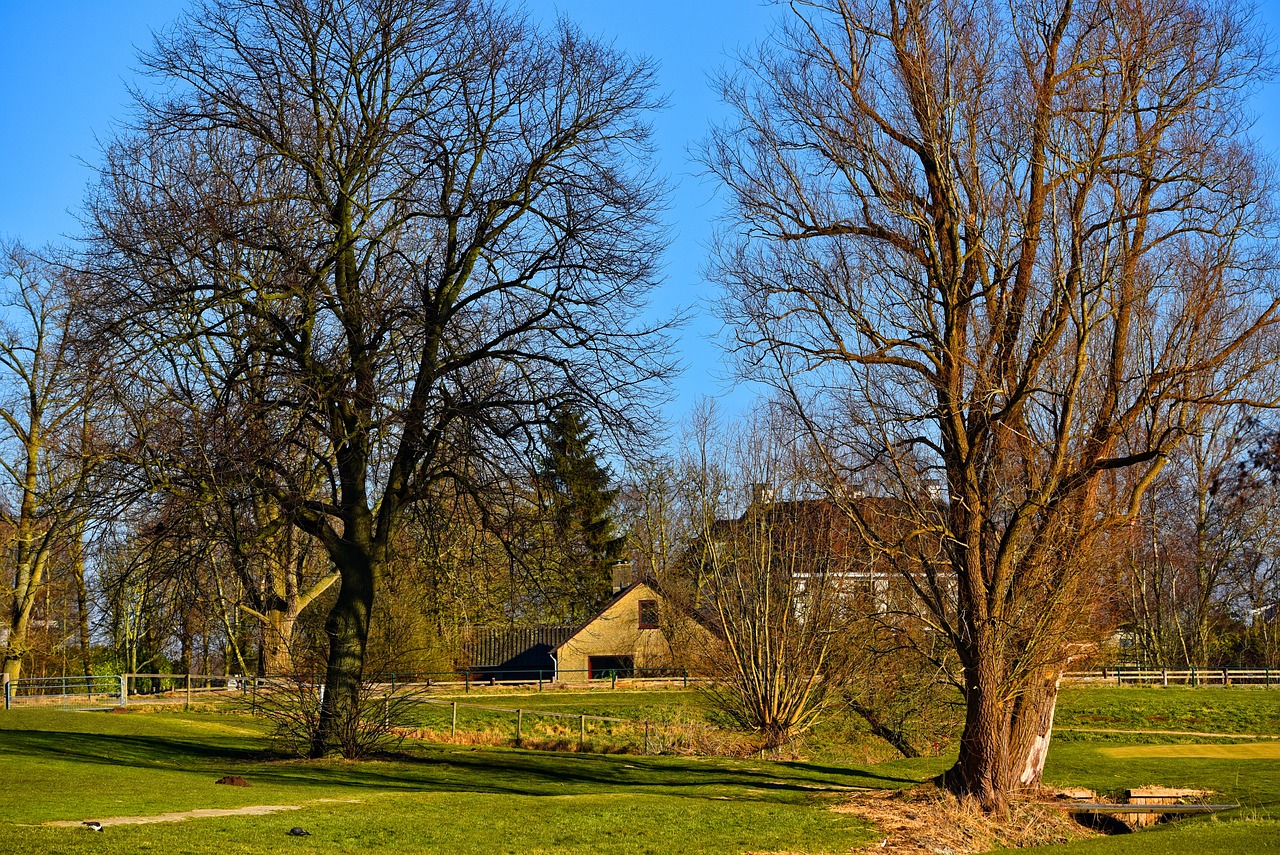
(605, 667)
(648, 614)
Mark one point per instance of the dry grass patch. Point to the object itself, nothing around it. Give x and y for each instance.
(927, 821)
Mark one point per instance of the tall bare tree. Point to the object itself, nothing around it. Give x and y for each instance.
(44, 467)
(427, 219)
(1008, 254)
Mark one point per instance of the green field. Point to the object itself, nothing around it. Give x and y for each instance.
(71, 766)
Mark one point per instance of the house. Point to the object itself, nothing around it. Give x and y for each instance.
(631, 636)
(817, 542)
(513, 654)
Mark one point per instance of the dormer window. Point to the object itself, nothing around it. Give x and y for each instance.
(648, 614)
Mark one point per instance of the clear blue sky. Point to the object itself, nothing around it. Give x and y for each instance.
(64, 66)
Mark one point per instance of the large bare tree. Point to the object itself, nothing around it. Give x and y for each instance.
(419, 220)
(1001, 258)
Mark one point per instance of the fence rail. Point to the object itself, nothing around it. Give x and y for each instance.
(1121, 676)
(121, 689)
(66, 691)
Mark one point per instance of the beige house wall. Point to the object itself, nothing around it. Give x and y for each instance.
(616, 632)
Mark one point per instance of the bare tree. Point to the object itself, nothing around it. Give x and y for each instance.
(1199, 546)
(427, 219)
(1009, 254)
(44, 393)
(768, 572)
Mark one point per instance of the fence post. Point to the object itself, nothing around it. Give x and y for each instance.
(8, 693)
(646, 737)
(613, 679)
(468, 679)
(453, 724)
(1119, 679)
(686, 677)
(519, 722)
(539, 681)
(1193, 676)
(124, 691)
(1164, 677)
(1268, 683)
(582, 731)
(188, 693)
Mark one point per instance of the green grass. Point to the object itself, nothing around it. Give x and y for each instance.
(58, 765)
(75, 766)
(1242, 709)
(1241, 772)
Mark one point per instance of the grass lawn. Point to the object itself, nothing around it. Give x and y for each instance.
(75, 766)
(63, 765)
(1245, 772)
(1238, 709)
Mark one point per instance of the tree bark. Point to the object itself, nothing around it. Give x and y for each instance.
(1005, 742)
(347, 628)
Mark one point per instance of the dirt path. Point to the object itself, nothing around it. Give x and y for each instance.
(200, 813)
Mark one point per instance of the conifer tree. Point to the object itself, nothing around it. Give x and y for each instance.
(576, 501)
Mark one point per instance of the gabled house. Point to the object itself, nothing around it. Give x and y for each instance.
(633, 635)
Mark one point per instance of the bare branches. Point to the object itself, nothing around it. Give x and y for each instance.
(1019, 250)
(390, 235)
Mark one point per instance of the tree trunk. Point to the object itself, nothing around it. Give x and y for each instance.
(348, 630)
(17, 646)
(880, 728)
(1004, 744)
(982, 770)
(1031, 730)
(82, 600)
(277, 641)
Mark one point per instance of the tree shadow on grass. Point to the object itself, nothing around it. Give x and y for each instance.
(453, 768)
(129, 750)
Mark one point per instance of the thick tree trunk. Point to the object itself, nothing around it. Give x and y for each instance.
(17, 647)
(1004, 744)
(982, 769)
(347, 628)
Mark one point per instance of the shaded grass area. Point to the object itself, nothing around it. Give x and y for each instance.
(68, 765)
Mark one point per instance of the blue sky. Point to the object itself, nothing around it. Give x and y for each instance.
(65, 65)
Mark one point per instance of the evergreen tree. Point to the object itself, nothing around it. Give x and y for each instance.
(576, 501)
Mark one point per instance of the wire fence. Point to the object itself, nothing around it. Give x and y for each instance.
(465, 723)
(75, 691)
